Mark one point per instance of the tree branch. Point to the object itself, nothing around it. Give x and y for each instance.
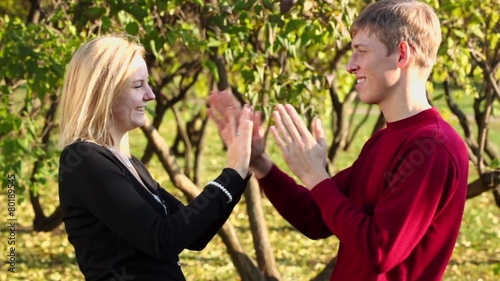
(42, 222)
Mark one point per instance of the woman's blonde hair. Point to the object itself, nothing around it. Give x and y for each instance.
(94, 77)
(393, 21)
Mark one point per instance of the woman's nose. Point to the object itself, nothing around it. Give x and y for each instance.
(149, 95)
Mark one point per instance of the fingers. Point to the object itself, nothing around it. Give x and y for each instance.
(281, 129)
(217, 105)
(239, 150)
(227, 128)
(290, 130)
(319, 133)
(245, 123)
(220, 101)
(277, 138)
(258, 130)
(214, 115)
(289, 124)
(232, 122)
(298, 123)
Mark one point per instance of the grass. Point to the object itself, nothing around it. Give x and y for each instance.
(49, 256)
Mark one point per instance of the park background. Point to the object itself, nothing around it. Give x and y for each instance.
(266, 51)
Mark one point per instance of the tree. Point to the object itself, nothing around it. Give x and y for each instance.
(265, 51)
(470, 66)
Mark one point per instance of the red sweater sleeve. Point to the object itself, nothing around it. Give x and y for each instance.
(401, 216)
(295, 203)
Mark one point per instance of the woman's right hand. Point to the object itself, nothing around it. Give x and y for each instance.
(238, 138)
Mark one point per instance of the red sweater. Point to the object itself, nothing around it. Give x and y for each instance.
(396, 211)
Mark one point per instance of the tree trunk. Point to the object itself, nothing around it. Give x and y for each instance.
(339, 124)
(34, 14)
(379, 124)
(263, 250)
(42, 222)
(487, 181)
(361, 124)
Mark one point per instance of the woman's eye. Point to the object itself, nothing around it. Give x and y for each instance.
(138, 85)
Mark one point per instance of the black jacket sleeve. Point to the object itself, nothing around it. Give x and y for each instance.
(175, 206)
(90, 176)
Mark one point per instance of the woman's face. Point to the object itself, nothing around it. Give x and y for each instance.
(128, 108)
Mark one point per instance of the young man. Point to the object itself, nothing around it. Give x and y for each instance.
(397, 210)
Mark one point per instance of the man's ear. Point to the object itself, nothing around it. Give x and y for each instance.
(404, 54)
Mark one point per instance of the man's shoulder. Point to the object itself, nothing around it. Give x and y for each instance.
(440, 139)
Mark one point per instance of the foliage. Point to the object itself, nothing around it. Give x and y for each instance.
(265, 51)
(469, 66)
(14, 8)
(32, 76)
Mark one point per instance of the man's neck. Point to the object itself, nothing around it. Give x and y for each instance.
(406, 101)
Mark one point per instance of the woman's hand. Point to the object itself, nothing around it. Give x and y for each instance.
(237, 135)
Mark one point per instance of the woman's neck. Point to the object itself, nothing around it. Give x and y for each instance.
(121, 142)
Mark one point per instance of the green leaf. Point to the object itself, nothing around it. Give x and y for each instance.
(171, 37)
(268, 4)
(495, 164)
(138, 11)
(132, 28)
(212, 67)
(248, 75)
(460, 33)
(293, 25)
(94, 12)
(213, 42)
(438, 97)
(276, 19)
(199, 2)
(151, 111)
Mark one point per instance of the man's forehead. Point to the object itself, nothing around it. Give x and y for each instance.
(363, 37)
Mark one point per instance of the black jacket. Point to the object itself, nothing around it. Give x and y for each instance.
(118, 229)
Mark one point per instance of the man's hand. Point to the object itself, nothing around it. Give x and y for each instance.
(304, 154)
(223, 107)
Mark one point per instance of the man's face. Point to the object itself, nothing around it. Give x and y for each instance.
(377, 74)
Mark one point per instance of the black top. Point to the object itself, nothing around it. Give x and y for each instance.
(119, 230)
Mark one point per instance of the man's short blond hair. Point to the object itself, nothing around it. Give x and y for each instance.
(394, 21)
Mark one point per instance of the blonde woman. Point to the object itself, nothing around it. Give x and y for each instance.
(121, 222)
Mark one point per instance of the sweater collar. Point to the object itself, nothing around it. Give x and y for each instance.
(415, 120)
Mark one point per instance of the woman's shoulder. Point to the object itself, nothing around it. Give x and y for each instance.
(83, 158)
(82, 145)
(81, 151)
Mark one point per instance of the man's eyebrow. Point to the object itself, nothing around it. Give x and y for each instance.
(357, 45)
